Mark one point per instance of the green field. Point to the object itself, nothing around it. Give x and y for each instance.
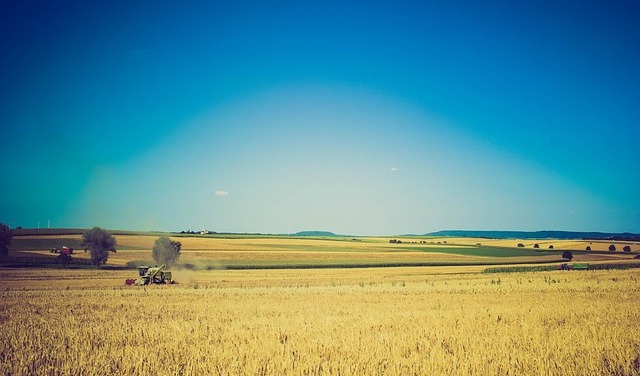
(482, 251)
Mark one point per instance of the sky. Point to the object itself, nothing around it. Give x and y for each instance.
(361, 118)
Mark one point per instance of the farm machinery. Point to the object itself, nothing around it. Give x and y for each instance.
(62, 250)
(149, 275)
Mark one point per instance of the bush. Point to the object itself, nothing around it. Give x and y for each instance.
(520, 245)
(588, 248)
(567, 255)
(612, 248)
(536, 245)
(626, 248)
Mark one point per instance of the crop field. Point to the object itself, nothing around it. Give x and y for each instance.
(260, 311)
(220, 252)
(391, 321)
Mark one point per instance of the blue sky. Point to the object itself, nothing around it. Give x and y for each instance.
(361, 118)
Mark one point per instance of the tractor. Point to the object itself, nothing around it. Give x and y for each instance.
(150, 274)
(63, 250)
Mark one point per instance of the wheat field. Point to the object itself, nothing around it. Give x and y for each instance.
(379, 321)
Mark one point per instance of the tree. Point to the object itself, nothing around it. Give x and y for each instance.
(5, 239)
(166, 251)
(520, 245)
(536, 245)
(612, 248)
(588, 248)
(626, 248)
(99, 243)
(567, 255)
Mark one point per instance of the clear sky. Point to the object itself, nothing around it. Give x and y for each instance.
(376, 117)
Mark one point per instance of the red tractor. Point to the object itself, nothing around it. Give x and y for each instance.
(63, 250)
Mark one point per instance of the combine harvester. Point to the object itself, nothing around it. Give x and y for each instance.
(149, 275)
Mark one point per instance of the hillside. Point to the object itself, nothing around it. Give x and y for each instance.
(314, 233)
(537, 235)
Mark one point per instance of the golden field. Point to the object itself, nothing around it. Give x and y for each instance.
(450, 319)
(373, 321)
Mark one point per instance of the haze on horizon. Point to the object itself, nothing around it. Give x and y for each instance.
(357, 118)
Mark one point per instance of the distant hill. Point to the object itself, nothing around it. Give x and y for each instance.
(314, 233)
(537, 235)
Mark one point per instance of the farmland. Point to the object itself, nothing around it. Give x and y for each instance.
(243, 252)
(445, 319)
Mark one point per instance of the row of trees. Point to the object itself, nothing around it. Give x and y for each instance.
(612, 247)
(536, 246)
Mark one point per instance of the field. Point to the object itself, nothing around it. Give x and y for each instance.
(409, 320)
(227, 252)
